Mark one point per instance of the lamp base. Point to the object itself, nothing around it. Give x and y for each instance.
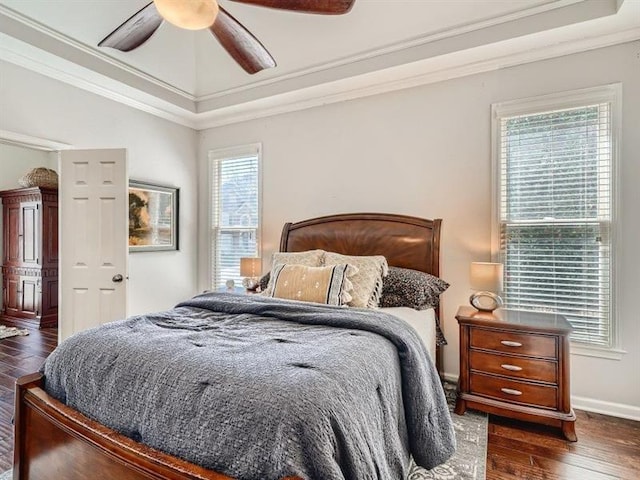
(250, 283)
(485, 301)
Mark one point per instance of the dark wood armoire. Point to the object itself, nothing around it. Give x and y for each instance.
(30, 255)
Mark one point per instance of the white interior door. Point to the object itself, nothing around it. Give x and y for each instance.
(93, 238)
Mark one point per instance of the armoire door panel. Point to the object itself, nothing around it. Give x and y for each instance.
(12, 295)
(49, 296)
(12, 234)
(29, 241)
(29, 293)
(50, 235)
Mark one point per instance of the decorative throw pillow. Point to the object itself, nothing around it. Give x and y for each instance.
(367, 283)
(330, 285)
(404, 287)
(310, 258)
(264, 281)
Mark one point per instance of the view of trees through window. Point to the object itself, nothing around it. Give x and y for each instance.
(235, 216)
(555, 215)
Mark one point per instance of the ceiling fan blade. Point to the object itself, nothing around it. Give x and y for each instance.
(325, 7)
(135, 31)
(241, 44)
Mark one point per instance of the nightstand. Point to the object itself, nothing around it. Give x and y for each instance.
(516, 364)
(236, 290)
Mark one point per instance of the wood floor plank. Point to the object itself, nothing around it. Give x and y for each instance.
(538, 468)
(600, 441)
(533, 451)
(19, 356)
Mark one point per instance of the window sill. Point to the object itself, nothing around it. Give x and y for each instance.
(589, 351)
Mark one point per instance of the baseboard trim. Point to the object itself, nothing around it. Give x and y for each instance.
(620, 410)
(593, 405)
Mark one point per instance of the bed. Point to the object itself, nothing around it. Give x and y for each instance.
(51, 436)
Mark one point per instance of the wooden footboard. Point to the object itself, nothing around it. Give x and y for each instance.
(54, 441)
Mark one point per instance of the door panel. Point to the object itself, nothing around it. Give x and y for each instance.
(12, 288)
(29, 296)
(94, 238)
(12, 230)
(29, 233)
(50, 234)
(49, 304)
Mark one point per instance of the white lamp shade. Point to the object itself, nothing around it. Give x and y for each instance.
(250, 266)
(189, 14)
(486, 276)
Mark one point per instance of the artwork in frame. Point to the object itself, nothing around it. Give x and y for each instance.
(153, 217)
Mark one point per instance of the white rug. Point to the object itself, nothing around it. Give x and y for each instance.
(6, 332)
(6, 475)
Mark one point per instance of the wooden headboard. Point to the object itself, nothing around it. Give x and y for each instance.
(408, 242)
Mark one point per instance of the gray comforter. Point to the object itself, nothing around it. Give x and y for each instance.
(260, 389)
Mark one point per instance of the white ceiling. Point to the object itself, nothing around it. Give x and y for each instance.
(191, 71)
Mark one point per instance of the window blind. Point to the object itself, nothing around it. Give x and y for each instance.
(235, 215)
(555, 216)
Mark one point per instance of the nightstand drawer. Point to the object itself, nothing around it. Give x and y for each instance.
(528, 368)
(516, 343)
(514, 391)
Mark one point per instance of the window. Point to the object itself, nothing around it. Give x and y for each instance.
(555, 158)
(235, 211)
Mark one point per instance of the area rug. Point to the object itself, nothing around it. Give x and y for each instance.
(469, 461)
(6, 332)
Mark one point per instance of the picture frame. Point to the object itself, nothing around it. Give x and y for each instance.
(153, 217)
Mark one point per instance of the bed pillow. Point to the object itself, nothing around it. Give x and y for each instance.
(329, 285)
(367, 283)
(404, 287)
(264, 281)
(310, 258)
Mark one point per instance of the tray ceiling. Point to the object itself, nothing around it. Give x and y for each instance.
(192, 71)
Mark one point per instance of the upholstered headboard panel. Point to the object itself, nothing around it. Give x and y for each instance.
(408, 242)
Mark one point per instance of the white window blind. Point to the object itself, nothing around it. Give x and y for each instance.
(235, 212)
(555, 215)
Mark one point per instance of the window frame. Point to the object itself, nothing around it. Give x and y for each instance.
(222, 154)
(611, 94)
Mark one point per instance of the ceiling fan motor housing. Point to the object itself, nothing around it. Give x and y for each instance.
(188, 14)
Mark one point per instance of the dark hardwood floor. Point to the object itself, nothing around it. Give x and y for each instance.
(19, 356)
(607, 447)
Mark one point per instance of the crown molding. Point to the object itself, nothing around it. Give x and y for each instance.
(21, 140)
(398, 78)
(431, 70)
(20, 27)
(26, 29)
(396, 47)
(29, 57)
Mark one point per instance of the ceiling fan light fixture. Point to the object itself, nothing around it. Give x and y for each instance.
(188, 14)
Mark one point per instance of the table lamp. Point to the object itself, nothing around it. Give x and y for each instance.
(486, 279)
(250, 268)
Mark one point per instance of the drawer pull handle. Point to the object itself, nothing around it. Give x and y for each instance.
(513, 368)
(511, 391)
(509, 343)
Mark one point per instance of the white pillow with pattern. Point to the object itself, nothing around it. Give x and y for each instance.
(367, 282)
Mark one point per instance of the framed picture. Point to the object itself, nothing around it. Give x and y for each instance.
(153, 217)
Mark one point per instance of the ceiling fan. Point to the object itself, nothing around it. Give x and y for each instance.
(245, 49)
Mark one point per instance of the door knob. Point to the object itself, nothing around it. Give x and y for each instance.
(117, 278)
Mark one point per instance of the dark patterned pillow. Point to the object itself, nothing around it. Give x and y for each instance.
(410, 288)
(264, 281)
